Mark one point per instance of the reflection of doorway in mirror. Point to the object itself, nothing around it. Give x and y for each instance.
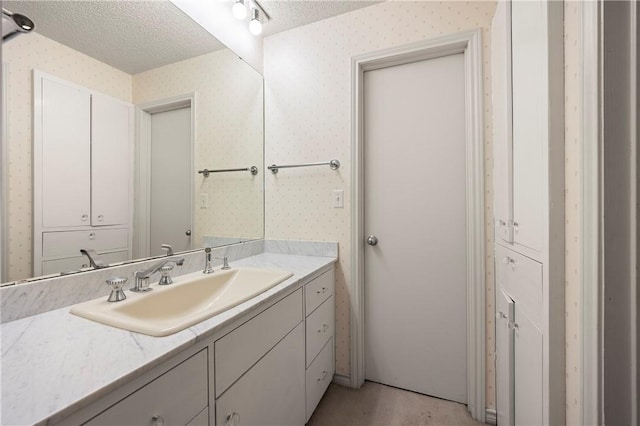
(166, 176)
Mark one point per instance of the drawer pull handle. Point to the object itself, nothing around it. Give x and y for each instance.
(513, 325)
(324, 375)
(233, 419)
(100, 217)
(85, 217)
(92, 235)
(323, 329)
(157, 420)
(501, 315)
(322, 290)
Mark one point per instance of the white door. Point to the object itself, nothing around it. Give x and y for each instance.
(415, 277)
(66, 148)
(171, 178)
(504, 358)
(528, 341)
(529, 49)
(111, 149)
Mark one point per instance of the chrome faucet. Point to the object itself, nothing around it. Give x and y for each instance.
(94, 260)
(225, 262)
(142, 277)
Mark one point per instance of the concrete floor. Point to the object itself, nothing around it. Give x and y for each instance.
(376, 404)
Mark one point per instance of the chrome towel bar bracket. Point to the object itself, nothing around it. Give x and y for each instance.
(334, 164)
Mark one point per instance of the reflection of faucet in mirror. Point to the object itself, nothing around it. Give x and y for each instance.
(94, 260)
(168, 248)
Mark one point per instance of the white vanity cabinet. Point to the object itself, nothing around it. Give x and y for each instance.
(528, 153)
(177, 397)
(82, 156)
(267, 367)
(320, 347)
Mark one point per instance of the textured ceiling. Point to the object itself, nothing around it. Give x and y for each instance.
(136, 36)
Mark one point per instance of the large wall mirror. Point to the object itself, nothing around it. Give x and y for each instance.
(112, 111)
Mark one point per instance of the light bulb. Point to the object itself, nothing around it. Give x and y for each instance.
(255, 26)
(239, 9)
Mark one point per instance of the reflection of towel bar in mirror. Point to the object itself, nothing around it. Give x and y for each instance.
(252, 169)
(334, 164)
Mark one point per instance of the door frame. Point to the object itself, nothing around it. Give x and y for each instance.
(4, 175)
(597, 122)
(142, 210)
(468, 43)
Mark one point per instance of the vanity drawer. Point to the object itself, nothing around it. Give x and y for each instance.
(178, 396)
(236, 352)
(77, 263)
(319, 375)
(69, 243)
(318, 290)
(521, 277)
(319, 329)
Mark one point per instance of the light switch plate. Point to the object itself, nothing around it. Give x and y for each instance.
(338, 199)
(204, 200)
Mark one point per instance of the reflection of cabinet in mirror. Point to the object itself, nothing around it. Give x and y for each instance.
(82, 159)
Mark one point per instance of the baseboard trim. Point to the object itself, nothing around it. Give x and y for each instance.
(342, 379)
(491, 416)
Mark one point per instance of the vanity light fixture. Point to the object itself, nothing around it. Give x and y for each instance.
(257, 15)
(255, 26)
(239, 9)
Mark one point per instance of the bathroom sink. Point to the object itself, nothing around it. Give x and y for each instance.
(190, 299)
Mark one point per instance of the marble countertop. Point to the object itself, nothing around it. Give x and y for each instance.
(56, 363)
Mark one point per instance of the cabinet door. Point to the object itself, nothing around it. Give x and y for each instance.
(530, 121)
(504, 359)
(502, 145)
(111, 161)
(65, 154)
(528, 371)
(272, 392)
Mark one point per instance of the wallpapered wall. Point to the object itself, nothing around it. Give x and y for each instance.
(229, 134)
(307, 100)
(22, 55)
(573, 243)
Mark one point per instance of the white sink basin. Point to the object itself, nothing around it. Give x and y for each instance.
(189, 300)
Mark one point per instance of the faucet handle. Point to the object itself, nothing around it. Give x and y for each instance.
(116, 284)
(225, 262)
(165, 271)
(168, 248)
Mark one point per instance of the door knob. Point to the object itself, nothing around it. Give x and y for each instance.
(188, 233)
(372, 240)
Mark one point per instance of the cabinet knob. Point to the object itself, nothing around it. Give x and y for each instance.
(233, 419)
(188, 232)
(515, 226)
(501, 315)
(372, 240)
(84, 265)
(100, 217)
(92, 235)
(157, 420)
(85, 217)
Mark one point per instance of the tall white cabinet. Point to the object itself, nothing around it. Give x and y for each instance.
(528, 119)
(82, 158)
